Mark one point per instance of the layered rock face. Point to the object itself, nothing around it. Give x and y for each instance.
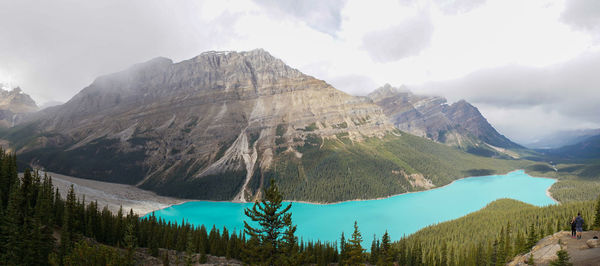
(459, 124)
(14, 104)
(220, 115)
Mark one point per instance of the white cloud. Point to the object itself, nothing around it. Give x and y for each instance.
(583, 15)
(520, 100)
(321, 15)
(399, 41)
(55, 49)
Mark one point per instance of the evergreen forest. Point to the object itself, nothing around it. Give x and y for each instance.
(39, 227)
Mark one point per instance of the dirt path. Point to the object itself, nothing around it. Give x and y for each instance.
(113, 195)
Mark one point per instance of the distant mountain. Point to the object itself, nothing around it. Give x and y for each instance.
(459, 124)
(220, 125)
(589, 148)
(14, 104)
(563, 138)
(50, 104)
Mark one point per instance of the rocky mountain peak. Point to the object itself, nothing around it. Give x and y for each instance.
(458, 124)
(464, 107)
(16, 101)
(14, 105)
(219, 113)
(387, 91)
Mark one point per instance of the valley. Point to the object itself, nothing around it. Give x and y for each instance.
(300, 132)
(394, 162)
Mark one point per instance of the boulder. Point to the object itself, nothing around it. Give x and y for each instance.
(593, 243)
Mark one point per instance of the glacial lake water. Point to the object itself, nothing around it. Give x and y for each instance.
(399, 215)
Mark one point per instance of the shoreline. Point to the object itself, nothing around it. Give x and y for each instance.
(548, 193)
(385, 197)
(144, 202)
(343, 201)
(410, 192)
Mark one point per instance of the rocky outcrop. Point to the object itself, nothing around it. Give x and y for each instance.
(14, 104)
(216, 118)
(459, 124)
(593, 243)
(580, 252)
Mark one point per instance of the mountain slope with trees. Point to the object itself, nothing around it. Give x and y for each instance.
(220, 125)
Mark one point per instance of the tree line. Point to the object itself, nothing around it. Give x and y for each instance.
(39, 227)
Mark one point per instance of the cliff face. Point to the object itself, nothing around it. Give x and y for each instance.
(459, 124)
(218, 116)
(13, 105)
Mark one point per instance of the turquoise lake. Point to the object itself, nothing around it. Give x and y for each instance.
(399, 215)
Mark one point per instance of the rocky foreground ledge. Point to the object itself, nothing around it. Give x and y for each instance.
(585, 251)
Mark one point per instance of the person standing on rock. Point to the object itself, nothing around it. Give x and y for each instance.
(573, 225)
(579, 225)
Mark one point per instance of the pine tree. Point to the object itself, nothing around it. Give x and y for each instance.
(213, 240)
(403, 256)
(562, 260)
(374, 250)
(130, 243)
(530, 260)
(443, 255)
(508, 250)
(232, 247)
(480, 257)
(43, 242)
(520, 245)
(596, 224)
(343, 250)
(531, 237)
(189, 250)
(12, 228)
(223, 242)
(290, 242)
(494, 254)
(355, 250)
(68, 224)
(272, 218)
(385, 250)
(204, 243)
(500, 251)
(416, 254)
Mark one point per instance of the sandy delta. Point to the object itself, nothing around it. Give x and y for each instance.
(113, 195)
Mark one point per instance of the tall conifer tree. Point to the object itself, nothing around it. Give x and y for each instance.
(272, 219)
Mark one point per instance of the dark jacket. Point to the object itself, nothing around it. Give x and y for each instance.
(579, 221)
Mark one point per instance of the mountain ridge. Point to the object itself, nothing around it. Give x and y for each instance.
(220, 125)
(14, 105)
(214, 114)
(458, 124)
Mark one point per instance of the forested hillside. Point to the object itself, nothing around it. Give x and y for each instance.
(38, 227)
(578, 181)
(331, 170)
(491, 236)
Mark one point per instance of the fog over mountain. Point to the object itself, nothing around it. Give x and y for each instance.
(527, 66)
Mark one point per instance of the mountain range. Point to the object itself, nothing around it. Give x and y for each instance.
(219, 125)
(562, 138)
(14, 104)
(459, 124)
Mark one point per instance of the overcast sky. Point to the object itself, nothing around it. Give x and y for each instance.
(531, 67)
